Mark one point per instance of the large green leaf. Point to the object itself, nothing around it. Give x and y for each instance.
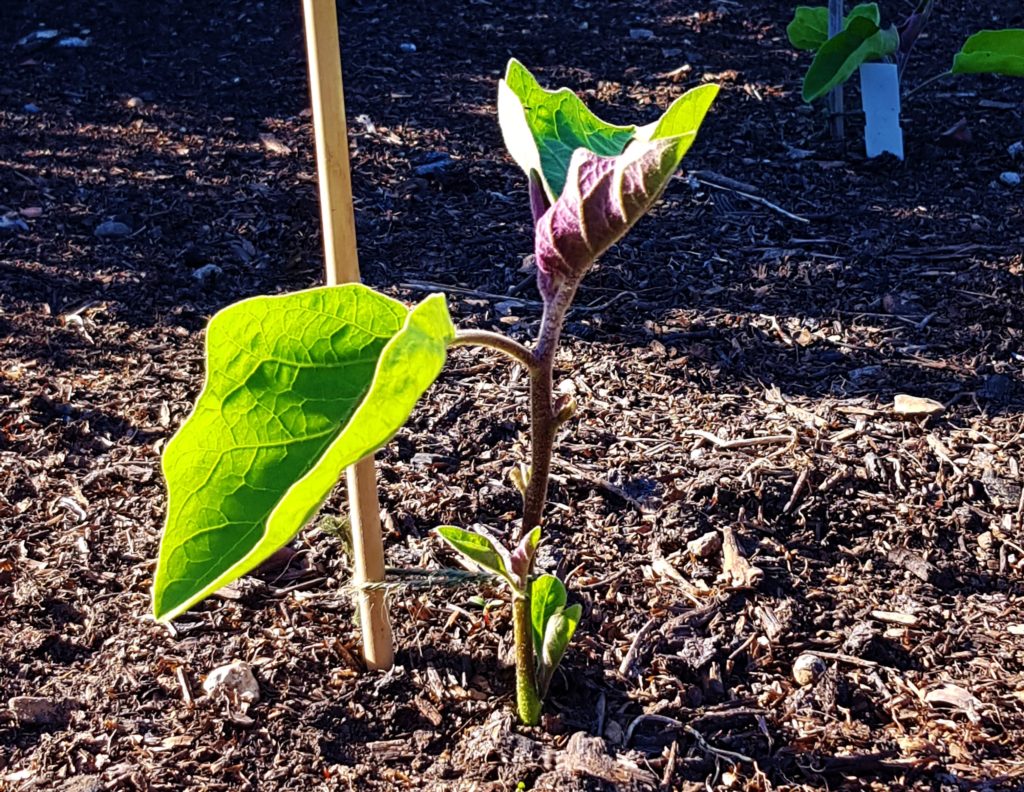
(809, 28)
(543, 128)
(547, 597)
(992, 52)
(477, 548)
(298, 387)
(840, 56)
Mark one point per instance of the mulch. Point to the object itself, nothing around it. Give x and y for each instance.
(735, 361)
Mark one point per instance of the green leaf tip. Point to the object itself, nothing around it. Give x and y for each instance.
(840, 56)
(542, 129)
(809, 28)
(298, 387)
(992, 52)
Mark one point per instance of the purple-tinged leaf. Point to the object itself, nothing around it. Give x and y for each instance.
(539, 201)
(910, 30)
(522, 556)
(602, 199)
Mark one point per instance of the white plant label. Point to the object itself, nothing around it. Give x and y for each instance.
(880, 94)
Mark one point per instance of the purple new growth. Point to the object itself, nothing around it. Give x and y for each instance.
(602, 199)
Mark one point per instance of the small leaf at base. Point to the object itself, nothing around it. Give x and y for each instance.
(557, 635)
(547, 596)
(477, 548)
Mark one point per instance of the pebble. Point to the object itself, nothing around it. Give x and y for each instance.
(808, 669)
(641, 34)
(407, 46)
(31, 108)
(112, 229)
(11, 225)
(36, 37)
(235, 680)
(74, 42)
(134, 103)
(37, 711)
(705, 546)
(1016, 149)
(865, 372)
(997, 387)
(1010, 179)
(207, 274)
(436, 163)
(916, 405)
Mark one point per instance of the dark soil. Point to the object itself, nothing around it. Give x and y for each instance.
(891, 547)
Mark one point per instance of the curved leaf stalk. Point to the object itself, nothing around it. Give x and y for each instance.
(499, 343)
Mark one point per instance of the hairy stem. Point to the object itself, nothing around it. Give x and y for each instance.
(527, 698)
(543, 417)
(543, 426)
(499, 343)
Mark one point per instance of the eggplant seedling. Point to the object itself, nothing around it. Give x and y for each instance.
(864, 40)
(300, 386)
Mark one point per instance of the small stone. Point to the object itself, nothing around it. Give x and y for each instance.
(74, 42)
(434, 164)
(808, 669)
(916, 405)
(641, 34)
(1016, 149)
(407, 46)
(31, 107)
(865, 373)
(208, 274)
(37, 711)
(1010, 179)
(36, 37)
(234, 680)
(997, 387)
(112, 229)
(613, 733)
(705, 546)
(134, 103)
(11, 224)
(986, 541)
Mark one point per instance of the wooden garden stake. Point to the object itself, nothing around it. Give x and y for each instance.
(835, 97)
(342, 266)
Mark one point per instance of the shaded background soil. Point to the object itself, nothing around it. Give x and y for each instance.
(891, 548)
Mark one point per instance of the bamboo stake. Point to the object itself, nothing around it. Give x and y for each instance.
(342, 266)
(835, 98)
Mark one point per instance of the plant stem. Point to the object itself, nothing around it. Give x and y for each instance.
(926, 83)
(543, 418)
(543, 426)
(527, 698)
(499, 343)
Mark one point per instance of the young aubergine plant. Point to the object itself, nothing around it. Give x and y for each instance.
(300, 386)
(864, 40)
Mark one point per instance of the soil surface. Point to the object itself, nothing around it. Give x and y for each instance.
(736, 361)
